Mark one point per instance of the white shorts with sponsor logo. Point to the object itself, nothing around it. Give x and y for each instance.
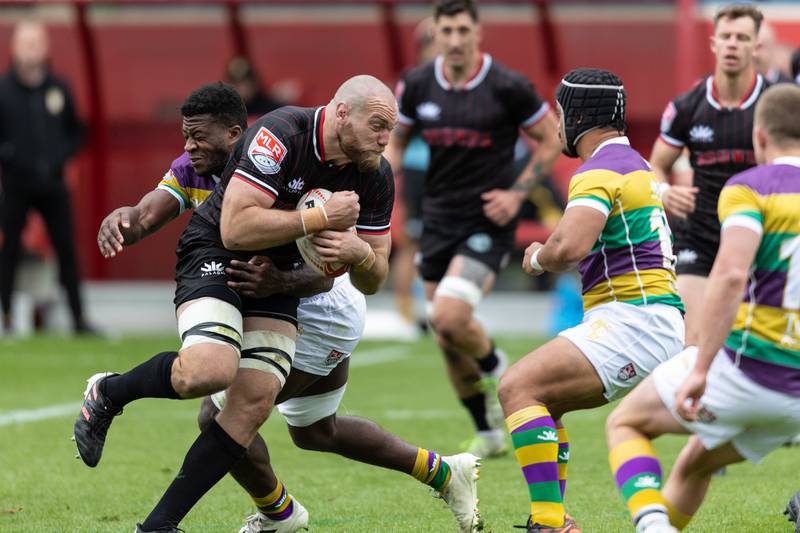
(330, 325)
(734, 409)
(625, 342)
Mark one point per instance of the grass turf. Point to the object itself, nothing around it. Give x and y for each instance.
(401, 386)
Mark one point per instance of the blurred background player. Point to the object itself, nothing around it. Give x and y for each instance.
(408, 290)
(39, 133)
(714, 121)
(738, 390)
(615, 232)
(257, 99)
(469, 109)
(772, 57)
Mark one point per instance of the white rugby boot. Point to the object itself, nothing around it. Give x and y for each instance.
(461, 494)
(258, 523)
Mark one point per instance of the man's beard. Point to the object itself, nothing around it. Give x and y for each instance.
(365, 161)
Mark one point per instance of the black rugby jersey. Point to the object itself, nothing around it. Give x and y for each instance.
(283, 155)
(471, 133)
(720, 144)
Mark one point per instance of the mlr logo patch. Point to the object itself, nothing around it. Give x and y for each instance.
(266, 151)
(334, 357)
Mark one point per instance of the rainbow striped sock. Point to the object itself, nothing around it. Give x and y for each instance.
(431, 469)
(277, 505)
(638, 476)
(563, 457)
(535, 440)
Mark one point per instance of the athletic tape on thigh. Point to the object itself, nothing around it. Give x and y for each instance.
(269, 352)
(460, 289)
(306, 410)
(209, 320)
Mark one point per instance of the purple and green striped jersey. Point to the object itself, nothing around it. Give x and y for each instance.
(765, 340)
(632, 260)
(182, 182)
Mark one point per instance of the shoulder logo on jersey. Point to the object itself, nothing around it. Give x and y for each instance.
(214, 268)
(701, 134)
(296, 185)
(668, 117)
(266, 151)
(429, 111)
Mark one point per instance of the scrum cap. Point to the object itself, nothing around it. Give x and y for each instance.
(590, 98)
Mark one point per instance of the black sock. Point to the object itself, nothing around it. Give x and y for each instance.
(151, 379)
(490, 362)
(476, 405)
(211, 456)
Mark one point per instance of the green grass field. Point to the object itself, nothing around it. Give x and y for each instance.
(43, 488)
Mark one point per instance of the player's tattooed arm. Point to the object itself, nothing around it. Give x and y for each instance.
(128, 225)
(503, 205)
(259, 278)
(571, 241)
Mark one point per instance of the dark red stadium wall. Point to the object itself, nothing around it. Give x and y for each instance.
(148, 69)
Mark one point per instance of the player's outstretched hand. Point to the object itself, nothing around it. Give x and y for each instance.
(526, 261)
(502, 205)
(680, 200)
(687, 399)
(116, 230)
(342, 209)
(340, 247)
(257, 278)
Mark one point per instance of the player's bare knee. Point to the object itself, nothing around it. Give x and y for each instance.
(203, 369)
(449, 324)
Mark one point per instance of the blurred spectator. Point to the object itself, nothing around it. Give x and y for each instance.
(409, 294)
(772, 56)
(39, 133)
(241, 75)
(796, 66)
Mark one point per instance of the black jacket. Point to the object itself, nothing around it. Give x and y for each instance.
(39, 132)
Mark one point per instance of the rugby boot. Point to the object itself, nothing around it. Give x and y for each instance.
(792, 511)
(461, 493)
(94, 420)
(569, 527)
(259, 523)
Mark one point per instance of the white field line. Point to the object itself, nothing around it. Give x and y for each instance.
(377, 356)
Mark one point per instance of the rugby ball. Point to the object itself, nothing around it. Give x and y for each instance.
(310, 200)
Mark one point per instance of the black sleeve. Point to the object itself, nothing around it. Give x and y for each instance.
(523, 102)
(675, 122)
(266, 154)
(376, 198)
(73, 127)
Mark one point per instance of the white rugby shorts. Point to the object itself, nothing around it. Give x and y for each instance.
(625, 342)
(734, 408)
(330, 325)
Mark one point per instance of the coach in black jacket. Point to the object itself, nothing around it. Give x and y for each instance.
(39, 132)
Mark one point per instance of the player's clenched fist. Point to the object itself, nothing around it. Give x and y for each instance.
(342, 210)
(527, 264)
(117, 230)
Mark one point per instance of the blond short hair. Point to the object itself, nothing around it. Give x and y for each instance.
(776, 113)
